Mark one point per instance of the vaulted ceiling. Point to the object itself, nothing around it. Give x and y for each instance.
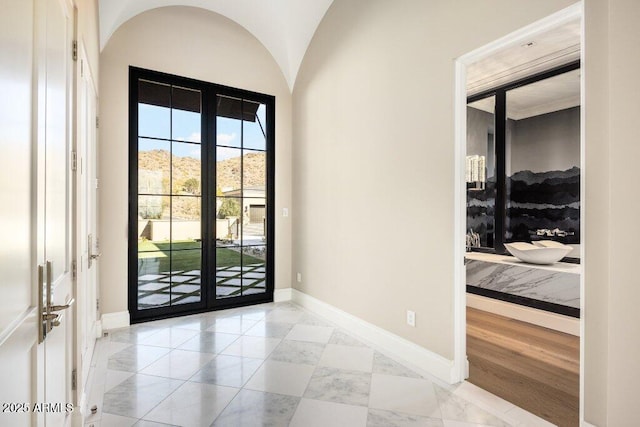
(284, 27)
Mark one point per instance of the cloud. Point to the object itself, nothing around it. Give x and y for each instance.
(225, 138)
(194, 137)
(224, 153)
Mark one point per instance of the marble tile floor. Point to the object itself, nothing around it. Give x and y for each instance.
(273, 364)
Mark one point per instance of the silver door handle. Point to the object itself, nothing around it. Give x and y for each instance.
(62, 307)
(53, 318)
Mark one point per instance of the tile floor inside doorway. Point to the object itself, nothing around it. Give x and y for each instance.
(272, 365)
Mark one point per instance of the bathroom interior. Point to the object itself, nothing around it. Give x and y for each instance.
(523, 164)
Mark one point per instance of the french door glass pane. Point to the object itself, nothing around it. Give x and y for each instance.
(254, 227)
(254, 270)
(186, 268)
(241, 176)
(153, 279)
(154, 164)
(186, 228)
(169, 224)
(154, 114)
(228, 171)
(228, 272)
(153, 208)
(254, 170)
(228, 122)
(186, 168)
(185, 120)
(254, 127)
(228, 221)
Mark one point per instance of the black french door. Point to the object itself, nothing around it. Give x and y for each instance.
(201, 196)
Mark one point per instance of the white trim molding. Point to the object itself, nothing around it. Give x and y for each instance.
(390, 344)
(281, 295)
(119, 319)
(460, 119)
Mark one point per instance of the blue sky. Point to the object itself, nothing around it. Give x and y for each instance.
(154, 121)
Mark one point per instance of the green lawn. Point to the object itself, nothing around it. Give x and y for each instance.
(184, 256)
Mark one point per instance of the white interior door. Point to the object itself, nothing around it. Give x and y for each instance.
(20, 353)
(58, 217)
(86, 203)
(35, 197)
(35, 76)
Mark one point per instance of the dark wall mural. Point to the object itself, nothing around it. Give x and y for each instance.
(542, 181)
(540, 206)
(544, 206)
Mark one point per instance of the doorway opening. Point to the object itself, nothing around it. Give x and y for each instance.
(201, 196)
(519, 150)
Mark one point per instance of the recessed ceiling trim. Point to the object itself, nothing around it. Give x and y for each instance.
(521, 71)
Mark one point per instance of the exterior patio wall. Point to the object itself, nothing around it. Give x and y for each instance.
(178, 230)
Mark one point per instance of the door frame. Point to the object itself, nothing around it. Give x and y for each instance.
(208, 131)
(460, 362)
(85, 151)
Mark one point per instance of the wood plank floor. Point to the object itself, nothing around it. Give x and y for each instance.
(532, 367)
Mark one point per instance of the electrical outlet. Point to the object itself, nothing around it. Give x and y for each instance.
(299, 277)
(285, 212)
(411, 318)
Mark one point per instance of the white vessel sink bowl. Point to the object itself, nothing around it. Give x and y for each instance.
(542, 252)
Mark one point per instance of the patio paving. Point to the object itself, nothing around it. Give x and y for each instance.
(182, 287)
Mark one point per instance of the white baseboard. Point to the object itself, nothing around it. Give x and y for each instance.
(388, 343)
(281, 295)
(586, 424)
(115, 320)
(558, 322)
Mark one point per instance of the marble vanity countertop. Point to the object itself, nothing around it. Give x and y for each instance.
(560, 267)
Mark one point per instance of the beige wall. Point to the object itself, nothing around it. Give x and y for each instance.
(613, 288)
(596, 211)
(194, 43)
(373, 131)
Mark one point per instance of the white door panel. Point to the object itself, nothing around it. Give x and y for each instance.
(58, 355)
(35, 196)
(16, 73)
(17, 354)
(86, 220)
(19, 350)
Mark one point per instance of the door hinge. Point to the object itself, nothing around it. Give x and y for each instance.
(74, 161)
(74, 50)
(74, 379)
(97, 122)
(74, 269)
(97, 305)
